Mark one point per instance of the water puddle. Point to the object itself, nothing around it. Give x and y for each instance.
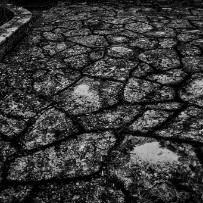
(153, 153)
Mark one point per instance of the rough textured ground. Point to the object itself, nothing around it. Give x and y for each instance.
(104, 104)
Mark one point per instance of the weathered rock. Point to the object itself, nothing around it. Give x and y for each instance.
(189, 50)
(90, 41)
(192, 91)
(150, 120)
(54, 64)
(116, 39)
(22, 105)
(129, 33)
(142, 70)
(197, 42)
(169, 77)
(162, 33)
(83, 97)
(13, 194)
(34, 38)
(78, 61)
(117, 21)
(111, 68)
(187, 125)
(52, 36)
(73, 51)
(110, 31)
(120, 51)
(73, 33)
(143, 43)
(96, 55)
(149, 169)
(162, 59)
(6, 150)
(139, 27)
(166, 106)
(109, 119)
(50, 126)
(76, 157)
(193, 64)
(77, 16)
(34, 53)
(11, 126)
(72, 25)
(82, 85)
(54, 48)
(198, 23)
(52, 82)
(110, 92)
(138, 90)
(179, 23)
(166, 43)
(197, 12)
(97, 190)
(187, 36)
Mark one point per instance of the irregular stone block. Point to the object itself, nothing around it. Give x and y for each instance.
(193, 64)
(80, 191)
(162, 59)
(153, 170)
(138, 90)
(109, 119)
(50, 126)
(76, 157)
(139, 27)
(83, 97)
(192, 91)
(111, 68)
(186, 126)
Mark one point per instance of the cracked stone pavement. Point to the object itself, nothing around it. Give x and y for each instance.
(104, 104)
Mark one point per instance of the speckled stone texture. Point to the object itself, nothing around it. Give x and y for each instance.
(103, 103)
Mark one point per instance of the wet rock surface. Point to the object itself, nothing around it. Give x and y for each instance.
(103, 103)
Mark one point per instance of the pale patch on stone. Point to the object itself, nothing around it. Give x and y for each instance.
(160, 33)
(119, 39)
(84, 96)
(121, 49)
(139, 27)
(153, 153)
(61, 46)
(197, 87)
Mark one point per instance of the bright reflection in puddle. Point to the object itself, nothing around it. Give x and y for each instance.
(83, 95)
(152, 153)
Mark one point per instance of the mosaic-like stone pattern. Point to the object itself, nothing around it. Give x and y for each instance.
(103, 103)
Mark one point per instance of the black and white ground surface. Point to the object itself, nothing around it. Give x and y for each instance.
(104, 104)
